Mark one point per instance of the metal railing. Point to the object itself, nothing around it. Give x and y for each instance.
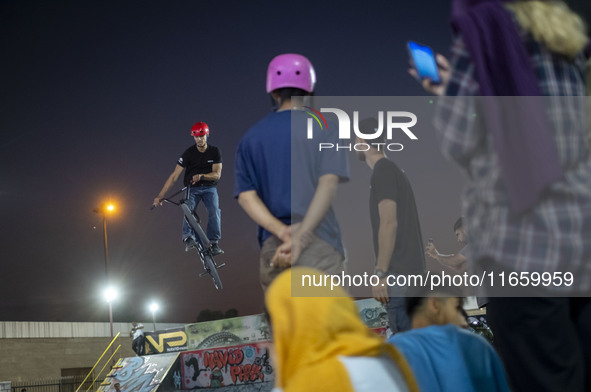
(89, 377)
(71, 383)
(62, 384)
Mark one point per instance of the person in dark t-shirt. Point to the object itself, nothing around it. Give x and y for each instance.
(397, 238)
(202, 164)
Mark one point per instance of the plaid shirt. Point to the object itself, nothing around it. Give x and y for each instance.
(556, 234)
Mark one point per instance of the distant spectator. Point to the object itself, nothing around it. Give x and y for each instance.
(138, 344)
(455, 261)
(443, 356)
(434, 310)
(396, 229)
(321, 344)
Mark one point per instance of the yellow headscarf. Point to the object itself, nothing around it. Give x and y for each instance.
(310, 333)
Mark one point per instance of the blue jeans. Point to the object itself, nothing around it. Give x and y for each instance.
(209, 196)
(396, 309)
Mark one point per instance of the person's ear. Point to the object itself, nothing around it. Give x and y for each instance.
(275, 95)
(435, 306)
(431, 305)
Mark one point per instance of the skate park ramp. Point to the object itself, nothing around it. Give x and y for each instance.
(226, 355)
(148, 373)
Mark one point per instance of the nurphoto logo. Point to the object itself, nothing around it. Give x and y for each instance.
(396, 121)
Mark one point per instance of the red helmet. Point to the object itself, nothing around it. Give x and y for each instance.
(199, 129)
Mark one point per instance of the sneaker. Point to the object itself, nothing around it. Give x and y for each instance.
(215, 250)
(189, 243)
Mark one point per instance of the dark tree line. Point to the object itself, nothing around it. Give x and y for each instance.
(210, 315)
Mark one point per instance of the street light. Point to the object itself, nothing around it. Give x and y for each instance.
(110, 295)
(153, 308)
(103, 210)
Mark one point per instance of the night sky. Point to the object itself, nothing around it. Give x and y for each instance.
(98, 98)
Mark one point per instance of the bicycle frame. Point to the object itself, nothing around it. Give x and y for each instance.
(203, 243)
(194, 220)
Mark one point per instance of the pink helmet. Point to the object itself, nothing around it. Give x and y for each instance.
(291, 70)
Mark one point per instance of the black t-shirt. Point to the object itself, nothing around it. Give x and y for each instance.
(389, 182)
(196, 162)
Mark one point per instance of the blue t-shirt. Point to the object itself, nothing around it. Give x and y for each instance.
(448, 358)
(264, 164)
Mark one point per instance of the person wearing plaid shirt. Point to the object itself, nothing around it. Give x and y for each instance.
(521, 242)
(543, 341)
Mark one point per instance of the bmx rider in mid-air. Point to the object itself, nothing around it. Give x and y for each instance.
(202, 164)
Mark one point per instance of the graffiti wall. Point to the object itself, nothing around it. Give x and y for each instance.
(235, 365)
(240, 330)
(145, 374)
(374, 315)
(382, 331)
(227, 332)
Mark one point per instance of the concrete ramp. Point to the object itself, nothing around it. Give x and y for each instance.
(149, 373)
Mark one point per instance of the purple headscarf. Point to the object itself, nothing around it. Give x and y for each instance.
(522, 137)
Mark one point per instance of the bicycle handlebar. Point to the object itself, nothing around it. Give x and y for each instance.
(167, 199)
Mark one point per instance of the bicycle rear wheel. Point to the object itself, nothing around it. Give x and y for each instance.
(212, 270)
(204, 246)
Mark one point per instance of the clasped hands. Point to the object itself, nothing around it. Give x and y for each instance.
(294, 241)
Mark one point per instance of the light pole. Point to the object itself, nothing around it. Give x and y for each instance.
(103, 211)
(153, 309)
(110, 293)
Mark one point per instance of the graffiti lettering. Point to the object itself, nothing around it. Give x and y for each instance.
(130, 367)
(244, 364)
(222, 358)
(236, 357)
(246, 373)
(135, 377)
(143, 383)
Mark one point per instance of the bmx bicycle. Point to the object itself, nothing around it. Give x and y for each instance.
(203, 245)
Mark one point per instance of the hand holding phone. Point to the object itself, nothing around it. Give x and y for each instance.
(423, 61)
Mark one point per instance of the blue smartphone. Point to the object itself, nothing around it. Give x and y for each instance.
(424, 62)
